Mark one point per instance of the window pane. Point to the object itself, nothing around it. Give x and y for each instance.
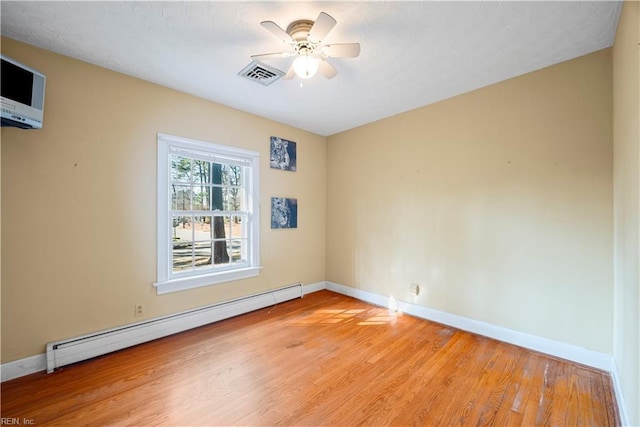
(202, 251)
(238, 252)
(237, 226)
(216, 173)
(220, 254)
(236, 173)
(182, 256)
(180, 168)
(232, 175)
(220, 227)
(201, 198)
(217, 199)
(232, 198)
(201, 171)
(180, 197)
(182, 228)
(202, 228)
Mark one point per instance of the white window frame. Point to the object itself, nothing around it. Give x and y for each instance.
(167, 280)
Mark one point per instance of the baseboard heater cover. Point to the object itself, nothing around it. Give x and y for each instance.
(65, 352)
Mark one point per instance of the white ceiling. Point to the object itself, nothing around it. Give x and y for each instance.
(413, 53)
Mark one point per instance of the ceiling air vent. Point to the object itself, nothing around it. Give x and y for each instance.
(261, 73)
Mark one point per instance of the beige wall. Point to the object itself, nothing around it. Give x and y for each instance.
(626, 136)
(79, 203)
(496, 202)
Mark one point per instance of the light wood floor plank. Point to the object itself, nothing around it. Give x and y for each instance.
(326, 359)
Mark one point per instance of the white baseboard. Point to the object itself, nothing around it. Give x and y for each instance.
(625, 418)
(543, 345)
(313, 287)
(21, 367)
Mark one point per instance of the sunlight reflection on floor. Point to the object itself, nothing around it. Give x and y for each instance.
(378, 316)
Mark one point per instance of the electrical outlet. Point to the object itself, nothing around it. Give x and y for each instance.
(414, 289)
(137, 310)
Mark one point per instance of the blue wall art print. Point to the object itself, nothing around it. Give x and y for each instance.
(283, 154)
(284, 212)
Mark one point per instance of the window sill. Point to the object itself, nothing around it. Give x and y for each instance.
(175, 285)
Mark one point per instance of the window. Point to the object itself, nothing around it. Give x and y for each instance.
(208, 218)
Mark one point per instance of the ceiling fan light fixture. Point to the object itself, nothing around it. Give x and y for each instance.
(305, 66)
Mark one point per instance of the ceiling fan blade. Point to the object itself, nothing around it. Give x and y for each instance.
(321, 28)
(341, 50)
(326, 69)
(278, 32)
(290, 74)
(277, 55)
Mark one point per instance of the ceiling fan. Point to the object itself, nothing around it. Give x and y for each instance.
(305, 40)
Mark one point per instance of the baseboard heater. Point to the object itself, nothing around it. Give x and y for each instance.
(61, 353)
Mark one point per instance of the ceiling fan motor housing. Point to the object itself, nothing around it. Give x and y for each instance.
(299, 30)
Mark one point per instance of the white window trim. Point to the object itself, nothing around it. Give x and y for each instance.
(165, 282)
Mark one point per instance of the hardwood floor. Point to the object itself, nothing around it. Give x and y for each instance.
(325, 359)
